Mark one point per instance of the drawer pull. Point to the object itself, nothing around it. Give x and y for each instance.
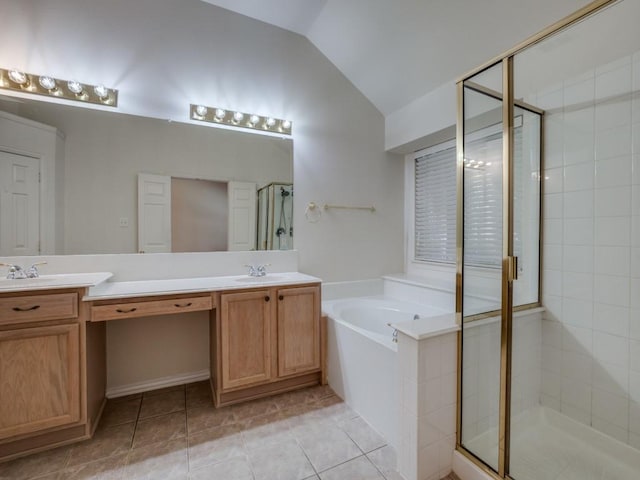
(119, 310)
(281, 297)
(266, 298)
(20, 309)
(184, 305)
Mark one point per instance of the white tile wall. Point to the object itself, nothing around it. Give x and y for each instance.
(591, 329)
(428, 404)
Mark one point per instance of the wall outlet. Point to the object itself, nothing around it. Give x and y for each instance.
(124, 222)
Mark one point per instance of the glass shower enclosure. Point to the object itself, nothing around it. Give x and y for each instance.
(548, 160)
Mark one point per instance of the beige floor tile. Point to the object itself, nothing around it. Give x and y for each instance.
(110, 468)
(305, 395)
(357, 469)
(161, 391)
(51, 476)
(255, 408)
(334, 408)
(126, 398)
(283, 461)
(166, 460)
(35, 465)
(327, 446)
(203, 418)
(161, 404)
(287, 437)
(199, 395)
(160, 429)
(117, 413)
(233, 469)
(385, 459)
(267, 429)
(107, 442)
(215, 445)
(363, 434)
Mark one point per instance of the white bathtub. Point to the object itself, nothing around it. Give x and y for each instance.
(362, 364)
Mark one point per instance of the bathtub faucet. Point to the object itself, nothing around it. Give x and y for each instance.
(416, 317)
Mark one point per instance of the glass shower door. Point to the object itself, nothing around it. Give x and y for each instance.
(480, 264)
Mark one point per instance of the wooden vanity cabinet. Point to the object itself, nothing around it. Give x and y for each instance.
(246, 338)
(265, 341)
(44, 400)
(298, 330)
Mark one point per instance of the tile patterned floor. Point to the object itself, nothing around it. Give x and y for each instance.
(176, 434)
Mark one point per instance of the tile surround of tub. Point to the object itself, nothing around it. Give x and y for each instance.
(428, 406)
(591, 327)
(306, 434)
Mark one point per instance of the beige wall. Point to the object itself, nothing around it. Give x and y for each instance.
(199, 215)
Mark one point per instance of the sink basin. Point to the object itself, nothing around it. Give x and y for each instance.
(266, 279)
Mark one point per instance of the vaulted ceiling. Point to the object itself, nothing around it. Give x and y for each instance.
(396, 51)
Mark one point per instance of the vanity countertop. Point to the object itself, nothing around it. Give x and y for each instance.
(49, 282)
(142, 288)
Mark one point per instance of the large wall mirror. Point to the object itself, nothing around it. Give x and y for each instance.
(84, 181)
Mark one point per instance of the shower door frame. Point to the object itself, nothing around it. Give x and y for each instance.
(508, 261)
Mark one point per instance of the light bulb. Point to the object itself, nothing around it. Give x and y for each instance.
(75, 87)
(270, 122)
(253, 119)
(286, 124)
(46, 82)
(201, 110)
(220, 113)
(101, 91)
(238, 116)
(488, 164)
(18, 77)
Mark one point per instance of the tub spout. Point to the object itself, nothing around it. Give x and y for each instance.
(416, 317)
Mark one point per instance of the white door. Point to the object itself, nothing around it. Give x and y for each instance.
(19, 205)
(242, 216)
(154, 213)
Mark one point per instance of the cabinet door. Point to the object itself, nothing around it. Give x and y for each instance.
(298, 330)
(245, 338)
(39, 378)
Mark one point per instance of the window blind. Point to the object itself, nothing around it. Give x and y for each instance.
(435, 203)
(435, 206)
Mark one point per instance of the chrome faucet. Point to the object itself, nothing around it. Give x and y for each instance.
(257, 270)
(16, 272)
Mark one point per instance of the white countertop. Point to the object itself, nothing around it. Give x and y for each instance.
(142, 288)
(49, 282)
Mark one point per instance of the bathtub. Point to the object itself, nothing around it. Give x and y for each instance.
(362, 367)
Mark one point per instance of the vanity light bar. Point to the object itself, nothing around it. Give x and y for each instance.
(221, 116)
(23, 82)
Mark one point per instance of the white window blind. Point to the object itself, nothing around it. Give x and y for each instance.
(435, 206)
(435, 202)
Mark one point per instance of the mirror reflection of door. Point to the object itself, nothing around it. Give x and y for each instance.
(199, 215)
(19, 205)
(193, 215)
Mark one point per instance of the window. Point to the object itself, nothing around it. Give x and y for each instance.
(435, 200)
(435, 204)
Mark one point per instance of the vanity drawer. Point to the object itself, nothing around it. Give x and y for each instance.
(116, 311)
(30, 308)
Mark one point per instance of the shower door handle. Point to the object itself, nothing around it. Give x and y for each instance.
(513, 268)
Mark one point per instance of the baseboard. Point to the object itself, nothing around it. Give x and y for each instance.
(122, 390)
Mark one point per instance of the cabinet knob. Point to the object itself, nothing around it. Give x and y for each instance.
(281, 297)
(266, 298)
